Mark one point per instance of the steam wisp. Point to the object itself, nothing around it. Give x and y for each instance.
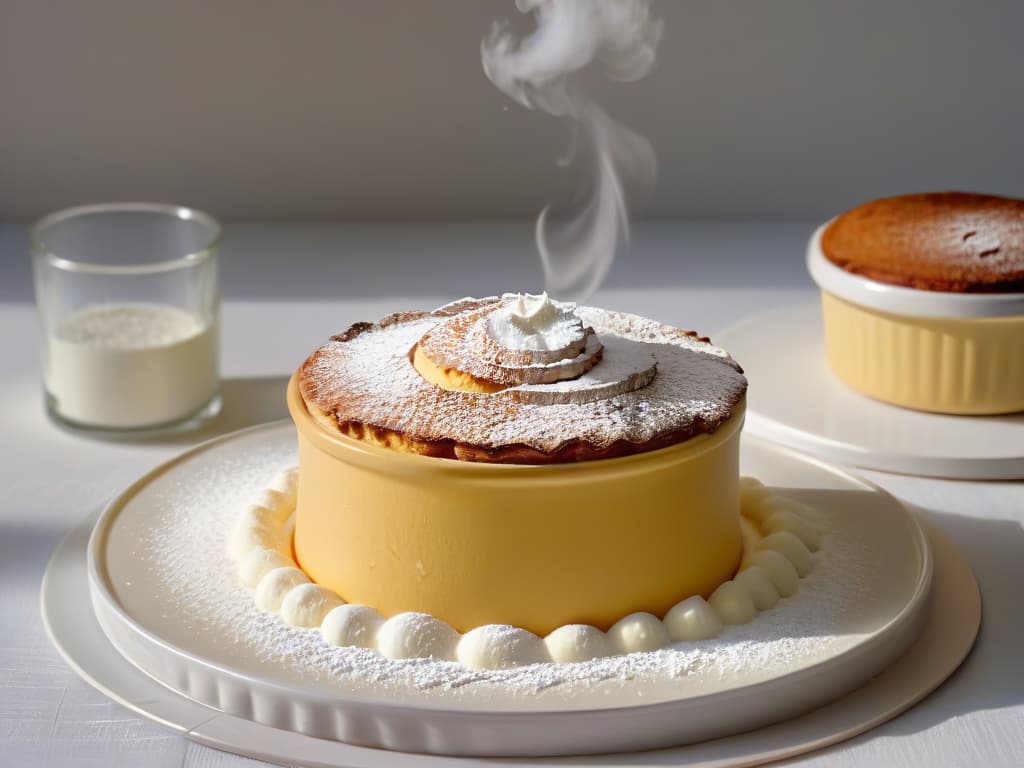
(540, 73)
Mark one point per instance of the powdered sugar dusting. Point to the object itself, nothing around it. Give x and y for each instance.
(182, 544)
(129, 326)
(626, 366)
(368, 378)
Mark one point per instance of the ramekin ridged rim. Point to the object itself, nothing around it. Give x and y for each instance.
(900, 300)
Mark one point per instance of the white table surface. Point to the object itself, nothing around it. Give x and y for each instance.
(286, 289)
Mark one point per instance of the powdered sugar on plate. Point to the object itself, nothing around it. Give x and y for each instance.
(177, 527)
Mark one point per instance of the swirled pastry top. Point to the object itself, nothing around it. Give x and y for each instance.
(626, 385)
(938, 241)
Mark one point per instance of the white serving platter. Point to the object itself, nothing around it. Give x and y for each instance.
(796, 401)
(194, 654)
(953, 618)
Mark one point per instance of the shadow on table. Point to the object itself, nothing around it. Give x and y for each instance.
(246, 402)
(25, 550)
(989, 678)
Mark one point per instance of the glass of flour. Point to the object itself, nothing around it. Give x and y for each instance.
(129, 305)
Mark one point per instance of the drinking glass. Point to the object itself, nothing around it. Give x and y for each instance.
(129, 307)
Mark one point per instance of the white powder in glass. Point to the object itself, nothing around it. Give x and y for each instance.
(131, 365)
(183, 548)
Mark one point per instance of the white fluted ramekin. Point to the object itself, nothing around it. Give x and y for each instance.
(935, 351)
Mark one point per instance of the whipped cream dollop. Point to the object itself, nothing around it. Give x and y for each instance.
(535, 322)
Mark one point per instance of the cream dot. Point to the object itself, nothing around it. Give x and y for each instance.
(287, 530)
(287, 484)
(750, 483)
(763, 507)
(752, 491)
(777, 568)
(638, 632)
(279, 505)
(760, 587)
(352, 626)
(733, 603)
(417, 636)
(257, 563)
(249, 535)
(794, 550)
(692, 619)
(577, 642)
(275, 585)
(499, 646)
(306, 605)
(257, 514)
(787, 520)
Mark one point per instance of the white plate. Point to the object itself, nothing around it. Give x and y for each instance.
(180, 632)
(954, 614)
(795, 400)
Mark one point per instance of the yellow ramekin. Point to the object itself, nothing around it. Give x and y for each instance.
(928, 350)
(531, 546)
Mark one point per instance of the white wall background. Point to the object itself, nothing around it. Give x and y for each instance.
(379, 108)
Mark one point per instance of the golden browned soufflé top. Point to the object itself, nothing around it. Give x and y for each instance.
(520, 379)
(937, 241)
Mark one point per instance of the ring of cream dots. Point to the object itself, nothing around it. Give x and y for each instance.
(261, 547)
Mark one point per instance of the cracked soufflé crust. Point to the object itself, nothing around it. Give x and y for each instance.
(937, 241)
(362, 384)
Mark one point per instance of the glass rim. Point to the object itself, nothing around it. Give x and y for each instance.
(180, 212)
